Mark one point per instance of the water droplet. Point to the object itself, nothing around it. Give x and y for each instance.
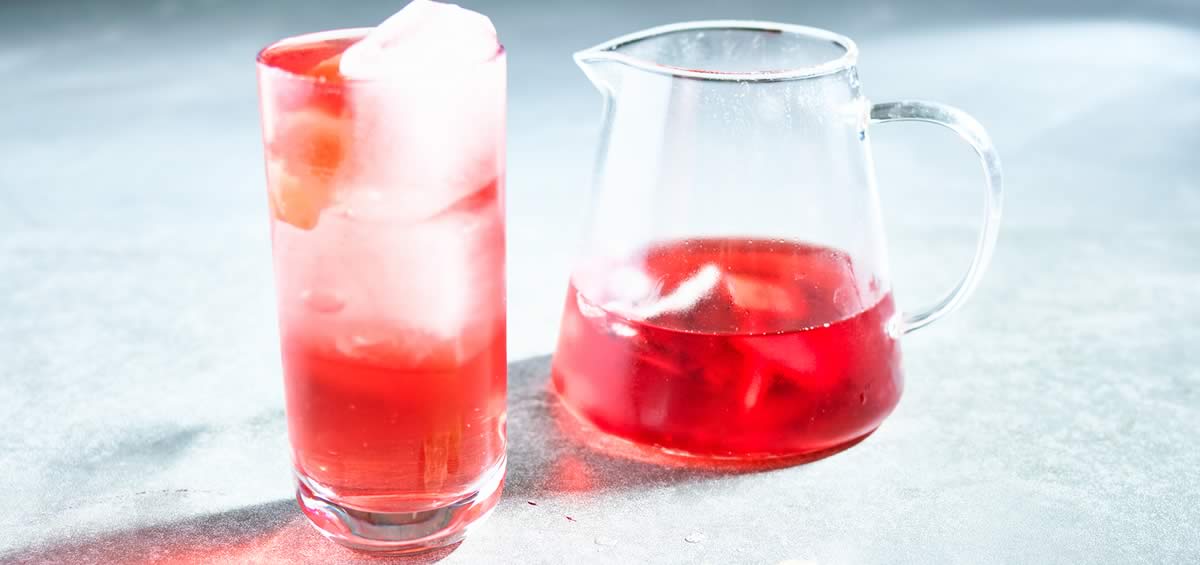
(694, 537)
(862, 398)
(322, 301)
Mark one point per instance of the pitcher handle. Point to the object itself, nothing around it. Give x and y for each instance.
(970, 131)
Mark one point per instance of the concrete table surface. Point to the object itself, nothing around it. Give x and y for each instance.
(1053, 420)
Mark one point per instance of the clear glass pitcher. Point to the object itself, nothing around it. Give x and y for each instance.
(732, 300)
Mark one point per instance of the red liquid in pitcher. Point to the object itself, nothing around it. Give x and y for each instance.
(731, 348)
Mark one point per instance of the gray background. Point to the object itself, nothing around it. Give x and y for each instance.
(1053, 419)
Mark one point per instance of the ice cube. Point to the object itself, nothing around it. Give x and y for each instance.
(799, 358)
(684, 297)
(424, 36)
(391, 346)
(625, 287)
(310, 139)
(328, 70)
(297, 200)
(440, 280)
(757, 294)
(304, 152)
(436, 135)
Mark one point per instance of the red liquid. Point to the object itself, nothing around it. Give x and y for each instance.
(783, 355)
(317, 59)
(383, 415)
(395, 435)
(392, 328)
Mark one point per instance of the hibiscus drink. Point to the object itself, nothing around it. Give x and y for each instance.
(730, 349)
(385, 172)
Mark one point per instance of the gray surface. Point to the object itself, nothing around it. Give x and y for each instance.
(1054, 419)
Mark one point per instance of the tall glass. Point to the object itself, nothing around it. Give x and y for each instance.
(387, 224)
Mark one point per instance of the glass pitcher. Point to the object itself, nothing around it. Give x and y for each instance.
(732, 300)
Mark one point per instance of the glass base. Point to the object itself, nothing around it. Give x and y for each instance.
(398, 533)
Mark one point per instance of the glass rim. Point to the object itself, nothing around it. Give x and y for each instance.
(341, 33)
(607, 51)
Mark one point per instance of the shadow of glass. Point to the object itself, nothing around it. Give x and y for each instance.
(549, 453)
(273, 532)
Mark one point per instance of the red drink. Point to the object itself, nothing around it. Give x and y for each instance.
(391, 431)
(387, 227)
(740, 349)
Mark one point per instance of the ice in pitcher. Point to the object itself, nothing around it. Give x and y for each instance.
(728, 347)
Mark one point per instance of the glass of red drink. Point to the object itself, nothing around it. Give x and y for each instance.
(733, 301)
(387, 224)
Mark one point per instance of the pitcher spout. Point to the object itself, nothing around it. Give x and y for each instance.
(601, 66)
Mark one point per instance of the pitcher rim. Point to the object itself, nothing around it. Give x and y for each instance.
(606, 51)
